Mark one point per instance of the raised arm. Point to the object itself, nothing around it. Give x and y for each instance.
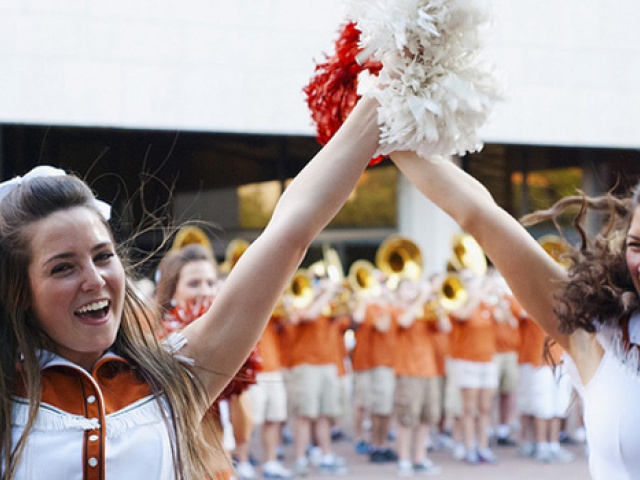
(530, 272)
(221, 340)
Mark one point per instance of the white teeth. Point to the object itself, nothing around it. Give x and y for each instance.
(94, 306)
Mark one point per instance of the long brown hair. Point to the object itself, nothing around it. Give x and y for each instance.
(21, 337)
(600, 288)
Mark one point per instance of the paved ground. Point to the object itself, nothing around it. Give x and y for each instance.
(510, 466)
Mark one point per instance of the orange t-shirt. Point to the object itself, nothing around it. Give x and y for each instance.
(415, 352)
(342, 324)
(315, 342)
(441, 345)
(533, 343)
(285, 337)
(507, 334)
(361, 354)
(269, 346)
(474, 339)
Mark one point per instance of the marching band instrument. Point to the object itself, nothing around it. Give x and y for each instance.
(399, 257)
(362, 278)
(301, 289)
(452, 293)
(190, 234)
(557, 247)
(468, 254)
(234, 251)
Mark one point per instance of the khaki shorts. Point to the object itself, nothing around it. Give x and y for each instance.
(269, 398)
(316, 391)
(452, 397)
(417, 400)
(374, 390)
(507, 371)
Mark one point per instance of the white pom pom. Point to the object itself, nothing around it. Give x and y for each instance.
(435, 90)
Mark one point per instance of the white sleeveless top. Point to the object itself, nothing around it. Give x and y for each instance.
(611, 403)
(120, 434)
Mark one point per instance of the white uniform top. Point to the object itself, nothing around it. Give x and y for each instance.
(611, 402)
(99, 425)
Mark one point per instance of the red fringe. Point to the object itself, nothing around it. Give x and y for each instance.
(332, 91)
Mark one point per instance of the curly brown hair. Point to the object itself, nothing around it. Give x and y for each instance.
(599, 288)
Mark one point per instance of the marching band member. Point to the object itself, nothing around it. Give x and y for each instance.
(473, 346)
(417, 398)
(375, 385)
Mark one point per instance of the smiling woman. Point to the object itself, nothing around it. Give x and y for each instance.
(76, 282)
(85, 390)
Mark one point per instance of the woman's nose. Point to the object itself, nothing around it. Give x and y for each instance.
(93, 278)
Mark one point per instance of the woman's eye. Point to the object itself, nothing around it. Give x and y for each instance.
(104, 256)
(61, 268)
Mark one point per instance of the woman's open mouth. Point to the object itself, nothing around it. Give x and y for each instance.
(94, 311)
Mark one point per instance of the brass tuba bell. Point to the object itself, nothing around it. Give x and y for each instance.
(399, 257)
(557, 247)
(190, 234)
(467, 254)
(233, 252)
(301, 289)
(452, 293)
(362, 279)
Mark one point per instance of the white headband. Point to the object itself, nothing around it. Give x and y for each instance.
(47, 171)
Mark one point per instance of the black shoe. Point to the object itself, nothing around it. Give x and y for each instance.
(390, 455)
(383, 456)
(505, 442)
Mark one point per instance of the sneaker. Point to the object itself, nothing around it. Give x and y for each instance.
(427, 467)
(527, 449)
(562, 455)
(315, 456)
(486, 455)
(505, 442)
(543, 455)
(378, 456)
(390, 455)
(458, 452)
(245, 471)
(362, 448)
(472, 457)
(405, 469)
(301, 467)
(335, 466)
(274, 469)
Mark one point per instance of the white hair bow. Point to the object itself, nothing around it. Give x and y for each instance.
(47, 171)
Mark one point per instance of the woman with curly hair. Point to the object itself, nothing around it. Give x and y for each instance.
(590, 309)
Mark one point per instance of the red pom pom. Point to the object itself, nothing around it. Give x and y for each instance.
(332, 91)
(183, 314)
(246, 376)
